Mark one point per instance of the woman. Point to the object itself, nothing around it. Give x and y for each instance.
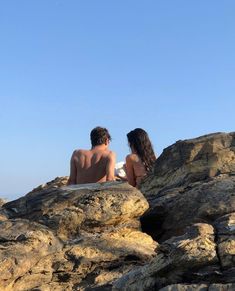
(142, 157)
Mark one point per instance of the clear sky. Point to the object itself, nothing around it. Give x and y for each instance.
(67, 66)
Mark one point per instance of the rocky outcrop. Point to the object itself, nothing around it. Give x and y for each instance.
(72, 238)
(196, 248)
(191, 193)
(193, 181)
(89, 237)
(191, 161)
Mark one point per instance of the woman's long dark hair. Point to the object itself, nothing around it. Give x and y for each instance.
(139, 141)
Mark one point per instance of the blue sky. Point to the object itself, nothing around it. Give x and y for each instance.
(67, 66)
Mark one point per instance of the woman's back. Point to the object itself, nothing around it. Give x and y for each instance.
(135, 169)
(142, 157)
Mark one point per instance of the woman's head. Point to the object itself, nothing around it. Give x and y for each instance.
(141, 145)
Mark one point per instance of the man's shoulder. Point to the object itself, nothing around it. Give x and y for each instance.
(107, 154)
(80, 152)
(111, 154)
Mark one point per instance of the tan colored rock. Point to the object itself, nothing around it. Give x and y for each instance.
(3, 215)
(226, 248)
(175, 257)
(96, 225)
(58, 182)
(2, 201)
(225, 226)
(81, 207)
(22, 245)
(115, 245)
(116, 249)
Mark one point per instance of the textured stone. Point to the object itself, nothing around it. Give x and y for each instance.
(174, 259)
(193, 182)
(225, 226)
(191, 161)
(2, 201)
(221, 287)
(82, 207)
(189, 287)
(201, 287)
(73, 238)
(22, 245)
(89, 237)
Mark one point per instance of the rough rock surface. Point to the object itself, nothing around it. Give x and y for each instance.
(89, 237)
(191, 161)
(72, 238)
(191, 193)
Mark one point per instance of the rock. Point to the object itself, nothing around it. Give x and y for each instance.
(221, 287)
(68, 237)
(22, 245)
(202, 287)
(69, 210)
(191, 161)
(185, 188)
(54, 184)
(181, 287)
(2, 201)
(3, 214)
(174, 259)
(89, 237)
(226, 239)
(191, 193)
(199, 202)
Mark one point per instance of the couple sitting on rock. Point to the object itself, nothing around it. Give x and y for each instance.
(97, 165)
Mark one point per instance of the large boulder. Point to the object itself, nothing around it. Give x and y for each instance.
(69, 210)
(191, 161)
(76, 237)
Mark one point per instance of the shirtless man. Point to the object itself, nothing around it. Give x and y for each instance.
(95, 165)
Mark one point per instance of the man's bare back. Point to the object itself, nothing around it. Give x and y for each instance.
(92, 166)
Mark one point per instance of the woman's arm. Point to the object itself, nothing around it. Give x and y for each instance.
(130, 171)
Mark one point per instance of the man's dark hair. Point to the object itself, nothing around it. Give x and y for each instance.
(99, 135)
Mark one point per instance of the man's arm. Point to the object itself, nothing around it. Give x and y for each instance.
(110, 167)
(130, 171)
(73, 170)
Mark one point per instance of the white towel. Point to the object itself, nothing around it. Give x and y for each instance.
(120, 170)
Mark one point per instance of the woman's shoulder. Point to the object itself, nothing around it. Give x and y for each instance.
(132, 158)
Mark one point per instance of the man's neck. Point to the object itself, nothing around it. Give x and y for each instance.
(100, 147)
